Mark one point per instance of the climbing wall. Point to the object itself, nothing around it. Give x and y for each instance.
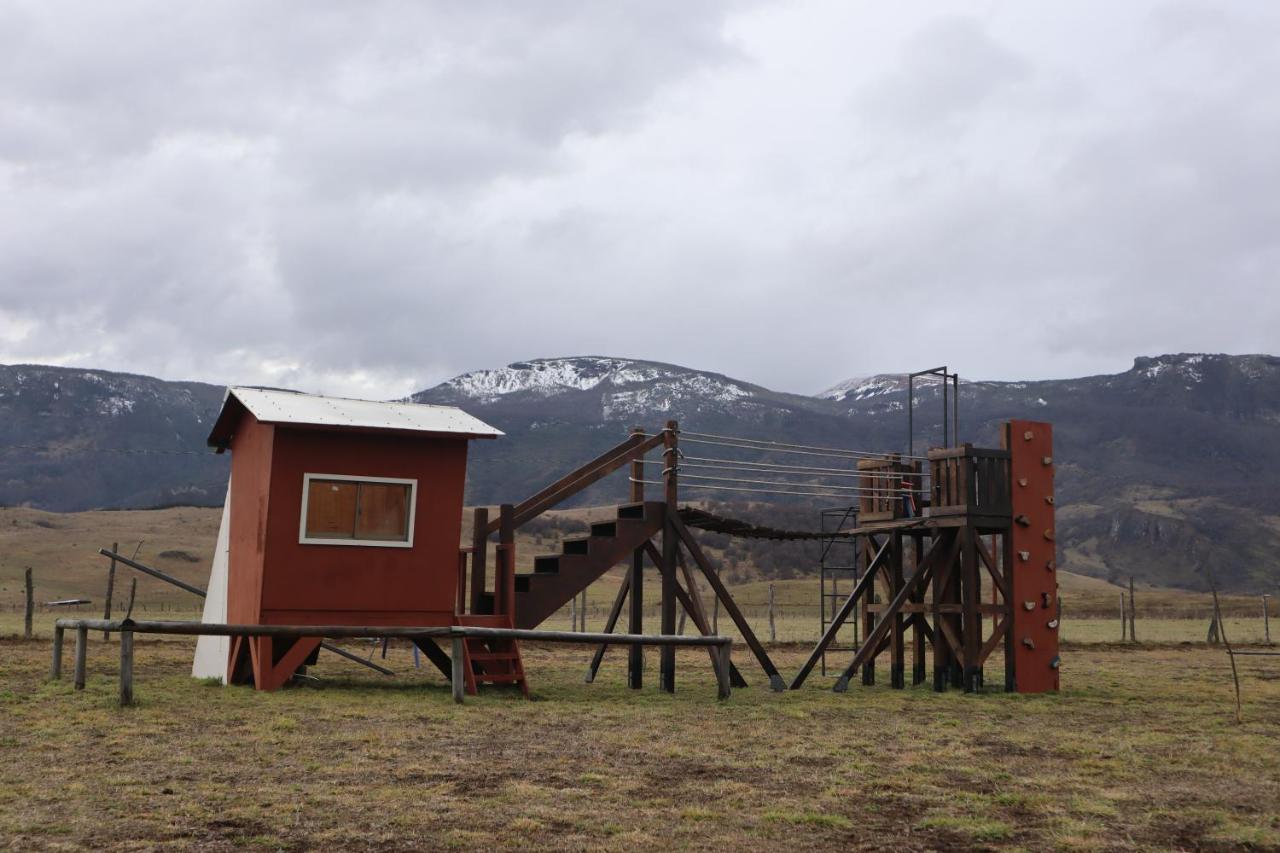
(1035, 565)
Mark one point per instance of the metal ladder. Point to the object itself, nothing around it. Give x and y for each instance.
(838, 574)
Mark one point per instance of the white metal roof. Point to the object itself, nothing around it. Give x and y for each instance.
(291, 407)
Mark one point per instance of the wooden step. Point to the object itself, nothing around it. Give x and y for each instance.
(493, 656)
(577, 545)
(546, 564)
(604, 529)
(501, 677)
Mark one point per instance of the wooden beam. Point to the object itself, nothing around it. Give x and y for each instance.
(730, 606)
(859, 589)
(609, 624)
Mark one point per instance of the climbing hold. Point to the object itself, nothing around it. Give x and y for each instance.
(1028, 605)
(1052, 565)
(1024, 555)
(1023, 520)
(1053, 664)
(1022, 481)
(1053, 624)
(1049, 500)
(1026, 641)
(1046, 599)
(1048, 460)
(1028, 435)
(1048, 534)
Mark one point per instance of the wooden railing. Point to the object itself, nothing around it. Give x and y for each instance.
(884, 484)
(458, 634)
(969, 480)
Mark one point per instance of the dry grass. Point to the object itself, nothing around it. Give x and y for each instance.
(1138, 752)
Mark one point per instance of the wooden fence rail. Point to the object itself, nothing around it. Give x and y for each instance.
(458, 634)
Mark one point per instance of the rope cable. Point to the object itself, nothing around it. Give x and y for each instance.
(773, 444)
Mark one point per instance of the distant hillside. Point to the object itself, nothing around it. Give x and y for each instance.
(1165, 470)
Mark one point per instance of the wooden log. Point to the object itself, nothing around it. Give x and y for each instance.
(133, 594)
(155, 573)
(918, 624)
(970, 596)
(111, 589)
(897, 659)
(82, 641)
(730, 606)
(458, 681)
(55, 670)
(670, 463)
(609, 624)
(635, 615)
(692, 604)
(722, 671)
(126, 668)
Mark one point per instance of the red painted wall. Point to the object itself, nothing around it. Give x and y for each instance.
(1035, 579)
(286, 582)
(250, 493)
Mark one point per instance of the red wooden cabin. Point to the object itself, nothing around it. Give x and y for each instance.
(340, 512)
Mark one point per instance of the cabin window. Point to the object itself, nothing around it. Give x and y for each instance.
(343, 510)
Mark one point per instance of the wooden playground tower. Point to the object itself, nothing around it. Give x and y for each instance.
(988, 514)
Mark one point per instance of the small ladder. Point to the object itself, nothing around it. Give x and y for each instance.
(493, 661)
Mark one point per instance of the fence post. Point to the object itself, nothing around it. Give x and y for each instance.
(773, 628)
(126, 668)
(82, 640)
(458, 678)
(1123, 624)
(111, 588)
(1266, 621)
(55, 672)
(31, 606)
(573, 614)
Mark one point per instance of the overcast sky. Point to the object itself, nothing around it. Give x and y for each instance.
(368, 198)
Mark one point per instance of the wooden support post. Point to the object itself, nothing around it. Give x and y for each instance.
(941, 648)
(917, 624)
(479, 556)
(1124, 625)
(31, 606)
(573, 613)
(970, 598)
(1266, 621)
(723, 670)
(111, 589)
(505, 566)
(458, 680)
(869, 618)
(635, 615)
(55, 671)
(897, 659)
(1133, 621)
(82, 640)
(582, 610)
(773, 628)
(670, 463)
(126, 668)
(609, 625)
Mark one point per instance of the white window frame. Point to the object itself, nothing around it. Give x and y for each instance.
(303, 539)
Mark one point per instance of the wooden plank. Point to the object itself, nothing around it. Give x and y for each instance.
(970, 596)
(730, 606)
(670, 464)
(82, 642)
(897, 660)
(723, 669)
(998, 632)
(993, 570)
(55, 669)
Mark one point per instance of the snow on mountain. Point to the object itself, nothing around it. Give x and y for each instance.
(864, 387)
(625, 384)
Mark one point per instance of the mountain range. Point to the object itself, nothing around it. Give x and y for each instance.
(1166, 471)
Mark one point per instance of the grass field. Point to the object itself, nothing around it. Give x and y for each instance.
(1139, 751)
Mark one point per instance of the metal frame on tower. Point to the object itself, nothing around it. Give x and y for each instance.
(950, 405)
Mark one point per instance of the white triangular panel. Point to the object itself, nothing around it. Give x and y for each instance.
(212, 652)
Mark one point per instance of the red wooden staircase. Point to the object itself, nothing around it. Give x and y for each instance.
(557, 578)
